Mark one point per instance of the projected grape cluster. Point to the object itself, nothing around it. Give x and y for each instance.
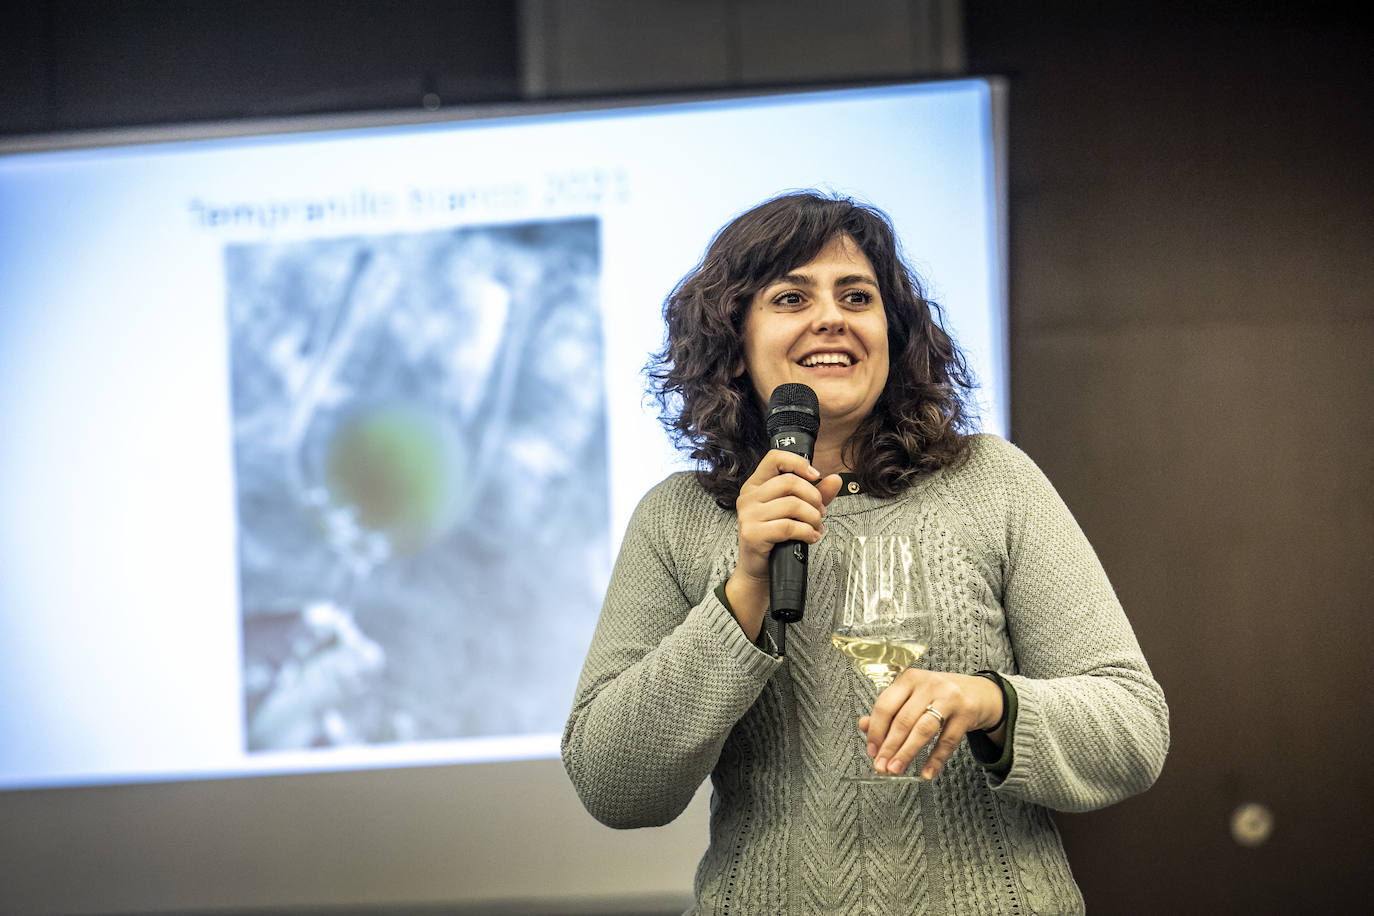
(421, 476)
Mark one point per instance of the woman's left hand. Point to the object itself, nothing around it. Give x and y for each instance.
(901, 724)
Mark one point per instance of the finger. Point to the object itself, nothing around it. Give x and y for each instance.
(788, 485)
(890, 701)
(777, 461)
(953, 733)
(926, 728)
(787, 518)
(788, 506)
(912, 723)
(829, 488)
(759, 507)
(888, 704)
(784, 529)
(870, 747)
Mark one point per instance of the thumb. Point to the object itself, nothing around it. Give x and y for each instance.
(829, 488)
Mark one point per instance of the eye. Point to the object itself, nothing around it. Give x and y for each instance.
(858, 298)
(789, 300)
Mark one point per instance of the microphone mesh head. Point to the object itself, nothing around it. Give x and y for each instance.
(793, 406)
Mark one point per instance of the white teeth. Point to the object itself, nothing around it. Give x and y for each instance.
(827, 359)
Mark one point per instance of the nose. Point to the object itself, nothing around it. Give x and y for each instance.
(827, 317)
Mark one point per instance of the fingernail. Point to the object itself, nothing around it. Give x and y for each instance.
(897, 767)
(880, 763)
(872, 749)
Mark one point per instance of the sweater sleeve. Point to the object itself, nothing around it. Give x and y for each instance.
(1092, 726)
(667, 676)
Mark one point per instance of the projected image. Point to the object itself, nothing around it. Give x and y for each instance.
(345, 453)
(419, 429)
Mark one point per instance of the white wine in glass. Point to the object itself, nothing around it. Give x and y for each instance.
(883, 622)
(878, 658)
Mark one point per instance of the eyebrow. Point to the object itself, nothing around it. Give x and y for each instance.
(800, 279)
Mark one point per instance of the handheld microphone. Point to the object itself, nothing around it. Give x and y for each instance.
(793, 421)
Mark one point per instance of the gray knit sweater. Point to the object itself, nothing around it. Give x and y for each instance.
(673, 691)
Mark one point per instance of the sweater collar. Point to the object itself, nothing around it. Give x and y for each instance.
(853, 499)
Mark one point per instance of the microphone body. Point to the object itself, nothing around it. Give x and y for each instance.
(793, 422)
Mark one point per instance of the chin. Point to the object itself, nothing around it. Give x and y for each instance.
(848, 413)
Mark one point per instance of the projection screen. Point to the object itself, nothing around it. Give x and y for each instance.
(317, 442)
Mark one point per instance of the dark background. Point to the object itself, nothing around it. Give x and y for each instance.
(1192, 221)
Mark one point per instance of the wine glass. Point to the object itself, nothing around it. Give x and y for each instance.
(883, 622)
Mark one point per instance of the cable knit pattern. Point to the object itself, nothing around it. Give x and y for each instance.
(673, 692)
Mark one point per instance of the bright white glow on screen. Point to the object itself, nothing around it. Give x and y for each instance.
(316, 448)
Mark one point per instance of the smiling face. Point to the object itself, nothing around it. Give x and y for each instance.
(822, 324)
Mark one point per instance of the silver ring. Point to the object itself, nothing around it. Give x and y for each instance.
(937, 714)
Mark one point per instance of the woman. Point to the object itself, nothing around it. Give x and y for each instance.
(682, 680)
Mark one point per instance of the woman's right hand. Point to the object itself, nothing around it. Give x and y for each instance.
(783, 500)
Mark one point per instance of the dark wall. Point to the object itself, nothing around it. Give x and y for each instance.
(69, 64)
(1192, 221)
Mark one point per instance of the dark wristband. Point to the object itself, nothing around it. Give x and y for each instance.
(1001, 685)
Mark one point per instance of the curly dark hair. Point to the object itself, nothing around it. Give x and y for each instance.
(920, 421)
